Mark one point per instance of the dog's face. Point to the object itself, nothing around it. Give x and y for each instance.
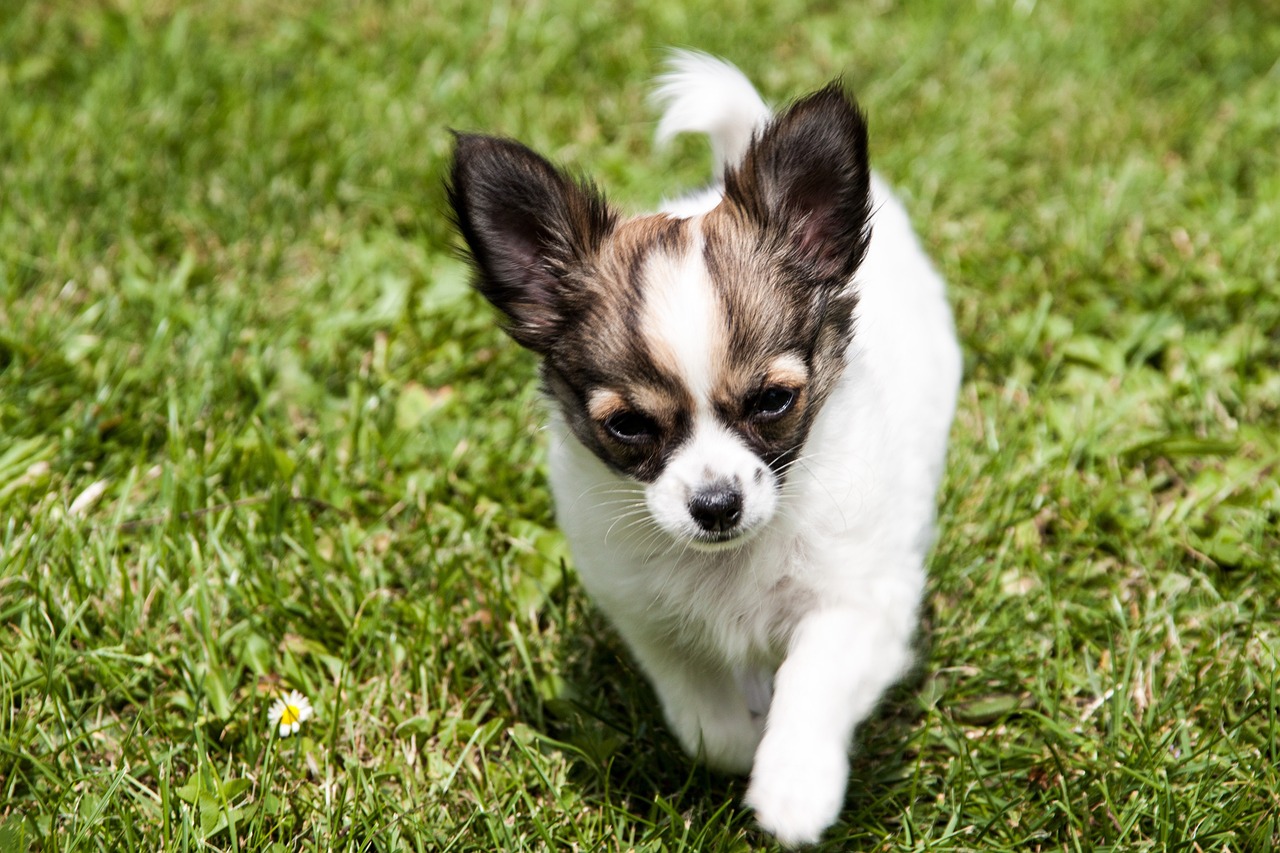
(690, 355)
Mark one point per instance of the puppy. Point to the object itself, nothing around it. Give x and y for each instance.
(750, 396)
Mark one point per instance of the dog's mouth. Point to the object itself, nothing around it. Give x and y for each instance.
(721, 540)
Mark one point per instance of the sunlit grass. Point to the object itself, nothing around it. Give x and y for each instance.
(256, 436)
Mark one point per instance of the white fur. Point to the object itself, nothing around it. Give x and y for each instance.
(702, 94)
(767, 655)
(679, 307)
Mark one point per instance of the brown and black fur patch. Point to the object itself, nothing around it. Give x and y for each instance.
(779, 254)
(600, 348)
(772, 310)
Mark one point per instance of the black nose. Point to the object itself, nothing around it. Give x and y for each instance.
(716, 509)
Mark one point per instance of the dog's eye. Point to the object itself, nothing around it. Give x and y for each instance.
(772, 402)
(631, 427)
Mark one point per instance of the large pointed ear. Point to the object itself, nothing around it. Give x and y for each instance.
(527, 225)
(806, 179)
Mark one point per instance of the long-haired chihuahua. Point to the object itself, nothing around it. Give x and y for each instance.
(750, 393)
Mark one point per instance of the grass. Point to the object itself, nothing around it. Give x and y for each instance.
(255, 434)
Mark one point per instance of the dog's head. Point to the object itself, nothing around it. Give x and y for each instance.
(688, 354)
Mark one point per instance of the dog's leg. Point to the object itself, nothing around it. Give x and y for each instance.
(705, 706)
(839, 662)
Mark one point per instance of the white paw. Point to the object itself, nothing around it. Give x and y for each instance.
(727, 742)
(797, 787)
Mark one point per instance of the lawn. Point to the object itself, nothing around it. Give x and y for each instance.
(257, 435)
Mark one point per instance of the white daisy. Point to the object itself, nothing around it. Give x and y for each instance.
(289, 712)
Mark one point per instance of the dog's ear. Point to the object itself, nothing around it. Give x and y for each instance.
(806, 179)
(527, 225)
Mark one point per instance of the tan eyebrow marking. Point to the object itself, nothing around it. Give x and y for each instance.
(651, 402)
(787, 369)
(603, 402)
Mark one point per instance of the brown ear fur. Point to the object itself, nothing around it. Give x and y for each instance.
(526, 224)
(806, 179)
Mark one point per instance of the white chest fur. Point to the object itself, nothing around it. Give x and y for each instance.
(853, 525)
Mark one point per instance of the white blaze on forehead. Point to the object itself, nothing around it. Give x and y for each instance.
(681, 319)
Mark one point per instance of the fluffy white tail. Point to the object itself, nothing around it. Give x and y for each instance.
(699, 93)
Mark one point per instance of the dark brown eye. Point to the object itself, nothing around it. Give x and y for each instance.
(631, 428)
(772, 403)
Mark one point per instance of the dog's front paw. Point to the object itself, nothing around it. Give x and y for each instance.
(797, 787)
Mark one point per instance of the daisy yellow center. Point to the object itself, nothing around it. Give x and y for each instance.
(290, 715)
